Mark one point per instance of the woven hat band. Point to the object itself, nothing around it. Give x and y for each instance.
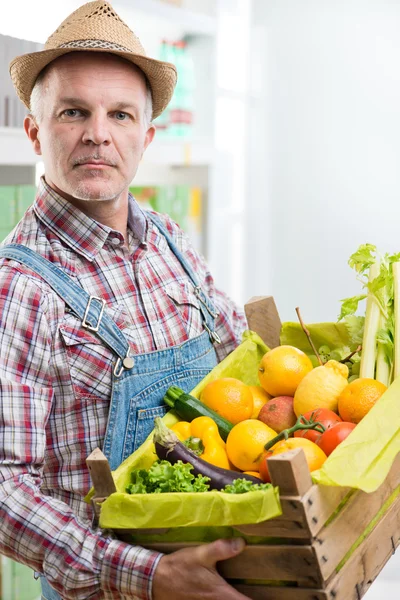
(103, 44)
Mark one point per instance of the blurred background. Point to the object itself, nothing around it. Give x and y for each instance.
(278, 155)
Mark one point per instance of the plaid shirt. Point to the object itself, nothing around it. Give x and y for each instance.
(55, 382)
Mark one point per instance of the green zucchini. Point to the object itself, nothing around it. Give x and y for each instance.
(188, 407)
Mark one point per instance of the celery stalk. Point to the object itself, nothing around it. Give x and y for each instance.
(396, 285)
(382, 366)
(371, 327)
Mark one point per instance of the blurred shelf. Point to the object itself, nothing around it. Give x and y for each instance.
(15, 148)
(163, 16)
(180, 153)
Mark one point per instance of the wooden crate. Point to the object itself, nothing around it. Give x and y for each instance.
(330, 543)
(303, 548)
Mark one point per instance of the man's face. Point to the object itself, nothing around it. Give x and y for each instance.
(92, 132)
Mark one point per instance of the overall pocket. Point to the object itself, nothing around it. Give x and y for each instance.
(150, 404)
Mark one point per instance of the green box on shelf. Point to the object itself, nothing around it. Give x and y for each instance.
(8, 206)
(25, 197)
(17, 581)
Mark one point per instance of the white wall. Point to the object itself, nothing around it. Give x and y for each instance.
(323, 158)
(324, 150)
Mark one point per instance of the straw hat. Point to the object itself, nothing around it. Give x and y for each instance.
(95, 27)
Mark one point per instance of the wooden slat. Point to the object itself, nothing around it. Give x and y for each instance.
(279, 563)
(357, 575)
(263, 592)
(320, 502)
(100, 474)
(289, 471)
(302, 517)
(334, 540)
(263, 318)
(278, 528)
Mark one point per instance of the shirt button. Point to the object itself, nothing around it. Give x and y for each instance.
(115, 241)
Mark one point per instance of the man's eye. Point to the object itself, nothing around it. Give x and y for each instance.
(71, 112)
(121, 116)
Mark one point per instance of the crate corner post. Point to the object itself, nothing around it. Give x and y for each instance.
(263, 318)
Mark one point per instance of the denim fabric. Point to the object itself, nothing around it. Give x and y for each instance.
(138, 394)
(48, 593)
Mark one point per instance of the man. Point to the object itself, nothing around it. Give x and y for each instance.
(102, 308)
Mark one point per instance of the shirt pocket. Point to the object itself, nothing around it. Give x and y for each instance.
(187, 307)
(90, 360)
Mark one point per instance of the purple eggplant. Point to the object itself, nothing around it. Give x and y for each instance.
(168, 447)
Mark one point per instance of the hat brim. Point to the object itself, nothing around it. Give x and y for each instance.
(161, 76)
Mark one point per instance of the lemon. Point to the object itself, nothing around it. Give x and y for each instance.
(282, 369)
(321, 388)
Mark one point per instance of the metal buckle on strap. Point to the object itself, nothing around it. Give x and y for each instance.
(85, 316)
(213, 334)
(125, 363)
(197, 290)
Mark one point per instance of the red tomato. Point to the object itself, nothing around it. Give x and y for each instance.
(334, 436)
(263, 467)
(327, 417)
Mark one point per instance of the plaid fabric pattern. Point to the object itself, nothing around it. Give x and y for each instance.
(55, 383)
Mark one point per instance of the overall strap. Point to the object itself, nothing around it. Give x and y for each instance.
(90, 309)
(206, 306)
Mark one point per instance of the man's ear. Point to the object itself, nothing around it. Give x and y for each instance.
(149, 136)
(32, 131)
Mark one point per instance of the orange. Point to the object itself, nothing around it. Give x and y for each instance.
(230, 398)
(253, 473)
(282, 369)
(358, 397)
(245, 443)
(314, 455)
(260, 397)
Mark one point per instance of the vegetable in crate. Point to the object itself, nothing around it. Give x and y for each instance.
(358, 397)
(188, 407)
(245, 443)
(168, 447)
(201, 436)
(380, 278)
(163, 477)
(278, 413)
(230, 398)
(282, 369)
(260, 397)
(334, 436)
(314, 455)
(321, 388)
(326, 417)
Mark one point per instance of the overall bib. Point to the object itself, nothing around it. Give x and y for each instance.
(139, 382)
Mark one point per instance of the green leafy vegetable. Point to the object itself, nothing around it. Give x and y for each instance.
(350, 306)
(241, 486)
(355, 328)
(163, 477)
(375, 272)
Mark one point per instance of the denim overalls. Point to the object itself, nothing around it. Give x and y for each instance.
(139, 382)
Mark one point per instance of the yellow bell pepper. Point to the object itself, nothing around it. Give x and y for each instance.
(202, 436)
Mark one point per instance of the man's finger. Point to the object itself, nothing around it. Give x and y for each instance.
(209, 554)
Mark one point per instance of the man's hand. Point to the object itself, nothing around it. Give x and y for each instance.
(191, 574)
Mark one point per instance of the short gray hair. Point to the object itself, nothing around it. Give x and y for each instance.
(36, 104)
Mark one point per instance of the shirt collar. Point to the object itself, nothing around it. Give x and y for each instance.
(82, 233)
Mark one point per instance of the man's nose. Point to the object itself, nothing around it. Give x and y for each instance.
(97, 130)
